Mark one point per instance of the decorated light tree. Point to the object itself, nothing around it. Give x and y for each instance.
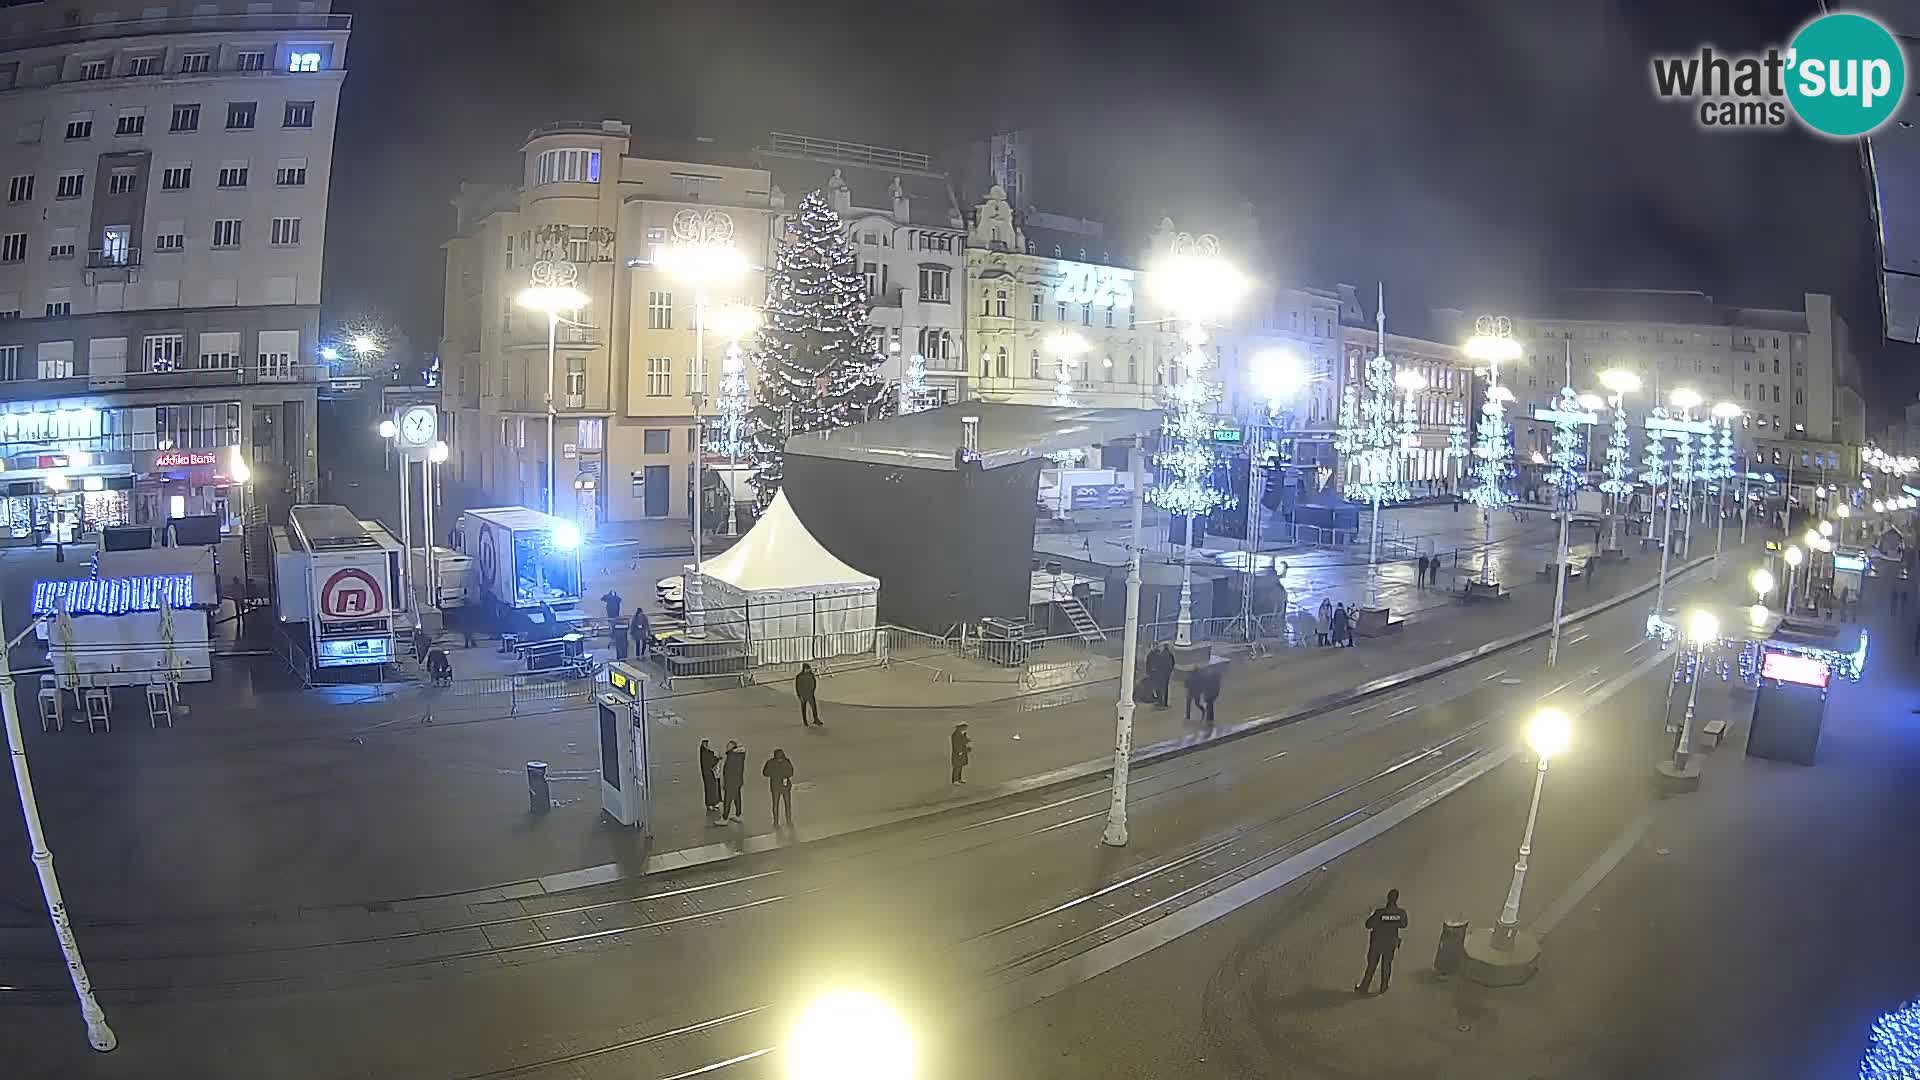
(1569, 457)
(1457, 439)
(1186, 456)
(818, 367)
(1066, 349)
(1372, 433)
(1619, 469)
(914, 393)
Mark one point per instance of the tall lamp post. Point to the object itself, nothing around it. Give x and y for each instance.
(1568, 416)
(1681, 773)
(1686, 463)
(437, 454)
(1066, 348)
(1196, 285)
(242, 476)
(1115, 834)
(1505, 954)
(1277, 377)
(390, 431)
(1726, 412)
(734, 321)
(703, 256)
(552, 291)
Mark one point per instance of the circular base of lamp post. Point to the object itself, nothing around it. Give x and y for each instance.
(1489, 965)
(1677, 779)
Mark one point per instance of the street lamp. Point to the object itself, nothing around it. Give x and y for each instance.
(1702, 629)
(1277, 376)
(1548, 733)
(1686, 399)
(1826, 528)
(703, 256)
(551, 293)
(388, 429)
(1491, 344)
(849, 1035)
(734, 322)
(1792, 556)
(1619, 482)
(1726, 412)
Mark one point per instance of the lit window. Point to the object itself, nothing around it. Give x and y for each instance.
(303, 60)
(567, 166)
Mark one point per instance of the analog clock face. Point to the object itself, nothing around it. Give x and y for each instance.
(418, 425)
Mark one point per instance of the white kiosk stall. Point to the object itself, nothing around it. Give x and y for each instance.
(341, 580)
(785, 597)
(125, 631)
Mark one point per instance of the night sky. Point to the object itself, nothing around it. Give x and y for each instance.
(1467, 153)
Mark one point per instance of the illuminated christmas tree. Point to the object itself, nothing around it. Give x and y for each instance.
(1187, 440)
(1619, 469)
(914, 393)
(815, 353)
(1569, 447)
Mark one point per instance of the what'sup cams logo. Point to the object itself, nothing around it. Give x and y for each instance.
(1842, 76)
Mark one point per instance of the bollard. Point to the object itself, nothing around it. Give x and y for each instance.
(539, 795)
(1453, 940)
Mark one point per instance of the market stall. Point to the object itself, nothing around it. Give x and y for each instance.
(785, 596)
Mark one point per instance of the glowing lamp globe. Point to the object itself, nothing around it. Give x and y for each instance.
(1761, 580)
(848, 1035)
(1702, 627)
(1549, 732)
(1793, 555)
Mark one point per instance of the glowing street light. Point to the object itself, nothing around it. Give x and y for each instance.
(551, 293)
(1278, 375)
(388, 429)
(1702, 629)
(1686, 398)
(1762, 581)
(1548, 733)
(849, 1035)
(1879, 506)
(1826, 528)
(1619, 474)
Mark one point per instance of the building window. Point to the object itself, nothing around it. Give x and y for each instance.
(290, 174)
(1086, 314)
(1000, 303)
(143, 65)
(233, 176)
(576, 381)
(656, 441)
(70, 185)
(131, 122)
(1799, 396)
(659, 311)
(121, 181)
(299, 114)
(194, 63)
(303, 61)
(80, 126)
(56, 357)
(1000, 362)
(692, 186)
(1033, 311)
(55, 309)
(185, 118)
(1776, 365)
(115, 241)
(1033, 363)
(871, 272)
(162, 352)
(567, 166)
(95, 69)
(10, 357)
(286, 231)
(20, 189)
(251, 61)
(659, 378)
(1776, 395)
(176, 178)
(13, 247)
(1133, 368)
(170, 242)
(240, 114)
(226, 232)
(936, 284)
(220, 351)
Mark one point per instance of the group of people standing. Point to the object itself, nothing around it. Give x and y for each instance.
(636, 634)
(722, 778)
(1427, 572)
(1333, 625)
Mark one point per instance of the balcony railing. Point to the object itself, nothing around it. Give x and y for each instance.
(532, 334)
(183, 378)
(112, 258)
(889, 297)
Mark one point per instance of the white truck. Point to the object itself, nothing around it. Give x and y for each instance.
(341, 580)
(524, 563)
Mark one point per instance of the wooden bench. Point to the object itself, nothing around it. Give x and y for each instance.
(1712, 732)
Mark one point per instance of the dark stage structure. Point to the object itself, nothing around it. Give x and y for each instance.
(941, 505)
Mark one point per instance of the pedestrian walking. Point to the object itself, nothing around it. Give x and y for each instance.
(733, 777)
(613, 600)
(962, 752)
(1203, 689)
(710, 781)
(1341, 626)
(1383, 939)
(619, 636)
(1323, 624)
(779, 773)
(1160, 673)
(803, 688)
(641, 630)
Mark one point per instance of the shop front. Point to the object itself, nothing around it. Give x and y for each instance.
(63, 497)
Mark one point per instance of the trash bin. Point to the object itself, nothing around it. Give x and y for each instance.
(1453, 942)
(539, 795)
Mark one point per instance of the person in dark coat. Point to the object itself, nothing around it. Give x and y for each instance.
(804, 685)
(962, 752)
(733, 777)
(1160, 673)
(439, 668)
(1383, 940)
(1420, 575)
(612, 599)
(710, 781)
(1203, 689)
(1342, 626)
(779, 773)
(641, 630)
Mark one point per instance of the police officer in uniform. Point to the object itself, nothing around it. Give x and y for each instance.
(1383, 938)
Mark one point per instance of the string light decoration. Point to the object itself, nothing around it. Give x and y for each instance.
(1569, 447)
(1618, 481)
(1493, 454)
(729, 436)
(814, 353)
(1723, 461)
(1063, 398)
(1893, 1047)
(1655, 456)
(1457, 437)
(1187, 450)
(1376, 431)
(112, 596)
(915, 395)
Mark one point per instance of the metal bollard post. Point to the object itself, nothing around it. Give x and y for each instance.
(539, 795)
(1453, 941)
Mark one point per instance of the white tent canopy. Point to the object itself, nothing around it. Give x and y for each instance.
(785, 595)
